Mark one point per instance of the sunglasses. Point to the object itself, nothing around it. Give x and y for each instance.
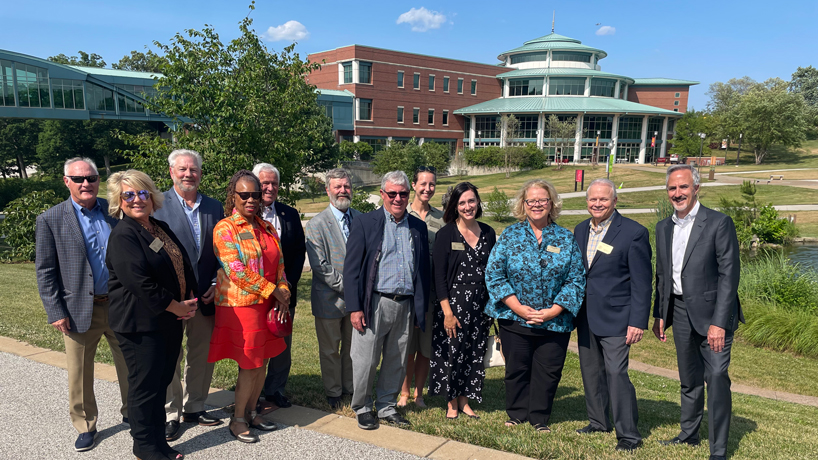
(430, 169)
(392, 195)
(246, 195)
(130, 195)
(81, 179)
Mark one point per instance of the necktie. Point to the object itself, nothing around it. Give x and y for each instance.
(347, 222)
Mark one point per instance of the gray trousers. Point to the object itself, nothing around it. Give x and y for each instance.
(699, 365)
(188, 394)
(334, 342)
(603, 362)
(387, 334)
(278, 369)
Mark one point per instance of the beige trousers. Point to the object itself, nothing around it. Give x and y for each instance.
(336, 366)
(80, 350)
(189, 394)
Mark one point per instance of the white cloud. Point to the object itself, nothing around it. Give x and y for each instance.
(422, 19)
(290, 30)
(606, 30)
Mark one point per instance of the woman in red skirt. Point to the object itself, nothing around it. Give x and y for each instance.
(249, 284)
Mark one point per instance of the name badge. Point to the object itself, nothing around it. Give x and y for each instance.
(553, 249)
(245, 236)
(604, 248)
(156, 245)
(458, 247)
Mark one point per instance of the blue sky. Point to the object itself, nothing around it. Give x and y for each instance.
(706, 41)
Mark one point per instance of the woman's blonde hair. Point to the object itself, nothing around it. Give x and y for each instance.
(136, 180)
(556, 201)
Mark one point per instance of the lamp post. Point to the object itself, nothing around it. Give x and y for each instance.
(596, 148)
(701, 148)
(611, 156)
(479, 136)
(738, 152)
(653, 155)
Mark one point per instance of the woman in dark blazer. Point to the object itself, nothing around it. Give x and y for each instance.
(150, 278)
(460, 333)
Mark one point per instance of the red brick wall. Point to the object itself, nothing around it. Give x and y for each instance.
(660, 96)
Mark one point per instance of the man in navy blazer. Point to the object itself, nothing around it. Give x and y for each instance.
(386, 290)
(191, 216)
(616, 252)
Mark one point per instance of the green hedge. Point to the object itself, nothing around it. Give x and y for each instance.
(524, 157)
(13, 188)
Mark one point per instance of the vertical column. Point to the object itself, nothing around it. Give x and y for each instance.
(505, 87)
(625, 97)
(340, 73)
(472, 131)
(587, 86)
(389, 141)
(644, 146)
(578, 140)
(545, 87)
(355, 72)
(617, 89)
(663, 152)
(540, 130)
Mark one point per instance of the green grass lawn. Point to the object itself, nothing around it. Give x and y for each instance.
(761, 428)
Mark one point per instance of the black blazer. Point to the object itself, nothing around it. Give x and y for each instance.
(142, 282)
(618, 286)
(206, 265)
(293, 246)
(710, 272)
(447, 262)
(363, 258)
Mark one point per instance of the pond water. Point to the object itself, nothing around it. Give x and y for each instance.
(804, 254)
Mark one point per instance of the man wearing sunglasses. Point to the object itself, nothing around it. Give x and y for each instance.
(71, 243)
(192, 216)
(386, 290)
(287, 222)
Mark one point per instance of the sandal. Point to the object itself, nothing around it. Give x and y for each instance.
(542, 428)
(512, 422)
(248, 437)
(403, 401)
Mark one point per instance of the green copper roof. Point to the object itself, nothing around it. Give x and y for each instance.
(562, 72)
(553, 41)
(552, 37)
(335, 92)
(663, 82)
(560, 104)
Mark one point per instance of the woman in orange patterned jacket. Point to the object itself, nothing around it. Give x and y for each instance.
(249, 283)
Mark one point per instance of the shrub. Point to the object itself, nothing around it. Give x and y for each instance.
(359, 201)
(13, 188)
(534, 158)
(752, 218)
(497, 205)
(770, 229)
(487, 156)
(356, 150)
(772, 278)
(20, 222)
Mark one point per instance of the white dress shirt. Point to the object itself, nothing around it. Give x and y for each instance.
(681, 234)
(268, 213)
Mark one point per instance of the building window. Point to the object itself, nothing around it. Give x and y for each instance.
(400, 79)
(431, 117)
(623, 88)
(602, 123)
(347, 72)
(603, 87)
(629, 128)
(675, 110)
(416, 81)
(529, 57)
(527, 87)
(562, 118)
(100, 98)
(431, 82)
(570, 56)
(32, 86)
(6, 84)
(400, 114)
(474, 87)
(364, 72)
(675, 102)
(566, 86)
(467, 125)
(365, 109)
(655, 126)
(67, 94)
(416, 115)
(459, 86)
(445, 118)
(445, 84)
(677, 94)
(528, 126)
(485, 127)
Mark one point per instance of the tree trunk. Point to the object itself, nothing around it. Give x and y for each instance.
(107, 160)
(22, 166)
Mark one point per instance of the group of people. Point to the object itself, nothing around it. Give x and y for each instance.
(409, 287)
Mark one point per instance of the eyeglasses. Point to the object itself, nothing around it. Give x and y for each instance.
(246, 195)
(392, 195)
(130, 195)
(542, 202)
(430, 169)
(81, 179)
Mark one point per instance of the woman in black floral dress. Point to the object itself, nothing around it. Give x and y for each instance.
(461, 329)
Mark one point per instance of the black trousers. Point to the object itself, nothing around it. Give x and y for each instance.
(532, 360)
(151, 360)
(698, 365)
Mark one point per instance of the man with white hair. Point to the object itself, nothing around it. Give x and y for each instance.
(327, 235)
(71, 243)
(287, 222)
(386, 291)
(192, 217)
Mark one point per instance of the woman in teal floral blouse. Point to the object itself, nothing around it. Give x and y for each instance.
(536, 282)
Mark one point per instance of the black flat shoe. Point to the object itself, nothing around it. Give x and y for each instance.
(202, 418)
(367, 421)
(396, 419)
(172, 430)
(280, 400)
(627, 446)
(591, 429)
(676, 441)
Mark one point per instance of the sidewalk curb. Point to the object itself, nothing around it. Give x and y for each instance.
(387, 437)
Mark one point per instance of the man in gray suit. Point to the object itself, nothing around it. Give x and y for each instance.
(71, 242)
(327, 235)
(191, 216)
(697, 275)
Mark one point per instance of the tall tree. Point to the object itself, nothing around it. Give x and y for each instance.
(805, 82)
(513, 155)
(723, 106)
(770, 116)
(409, 156)
(141, 62)
(18, 144)
(84, 59)
(237, 104)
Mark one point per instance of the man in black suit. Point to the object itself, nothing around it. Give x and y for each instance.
(616, 252)
(386, 291)
(697, 275)
(287, 222)
(191, 216)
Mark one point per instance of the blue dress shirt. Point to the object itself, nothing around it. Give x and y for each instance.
(396, 269)
(193, 218)
(95, 231)
(339, 217)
